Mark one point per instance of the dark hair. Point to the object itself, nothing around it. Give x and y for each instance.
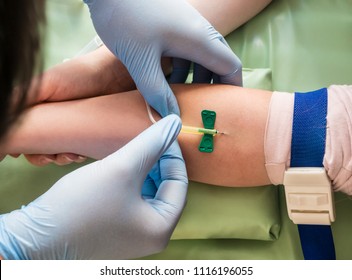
(21, 24)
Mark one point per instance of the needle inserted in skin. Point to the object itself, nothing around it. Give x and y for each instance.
(186, 128)
(199, 130)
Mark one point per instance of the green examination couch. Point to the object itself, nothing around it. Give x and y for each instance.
(292, 45)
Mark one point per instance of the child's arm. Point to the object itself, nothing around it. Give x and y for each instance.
(98, 126)
(93, 74)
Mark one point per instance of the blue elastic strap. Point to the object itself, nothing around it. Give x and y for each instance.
(307, 150)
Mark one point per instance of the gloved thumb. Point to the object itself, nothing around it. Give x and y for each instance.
(174, 182)
(157, 91)
(137, 157)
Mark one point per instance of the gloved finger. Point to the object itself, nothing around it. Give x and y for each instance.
(174, 181)
(148, 74)
(172, 164)
(218, 58)
(180, 71)
(201, 75)
(171, 197)
(155, 174)
(161, 170)
(227, 66)
(152, 182)
(149, 189)
(138, 156)
(157, 91)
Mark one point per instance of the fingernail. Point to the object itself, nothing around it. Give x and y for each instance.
(67, 158)
(45, 160)
(81, 158)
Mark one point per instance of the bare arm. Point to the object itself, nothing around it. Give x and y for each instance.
(227, 15)
(96, 127)
(100, 72)
(93, 74)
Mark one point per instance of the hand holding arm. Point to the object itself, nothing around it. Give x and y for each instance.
(226, 16)
(139, 33)
(98, 212)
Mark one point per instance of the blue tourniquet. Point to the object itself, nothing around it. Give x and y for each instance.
(307, 150)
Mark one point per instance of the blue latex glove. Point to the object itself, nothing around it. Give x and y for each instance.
(201, 75)
(97, 211)
(140, 32)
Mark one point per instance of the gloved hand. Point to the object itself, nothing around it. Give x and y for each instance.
(97, 211)
(140, 32)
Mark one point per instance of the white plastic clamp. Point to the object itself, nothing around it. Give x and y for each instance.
(309, 196)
